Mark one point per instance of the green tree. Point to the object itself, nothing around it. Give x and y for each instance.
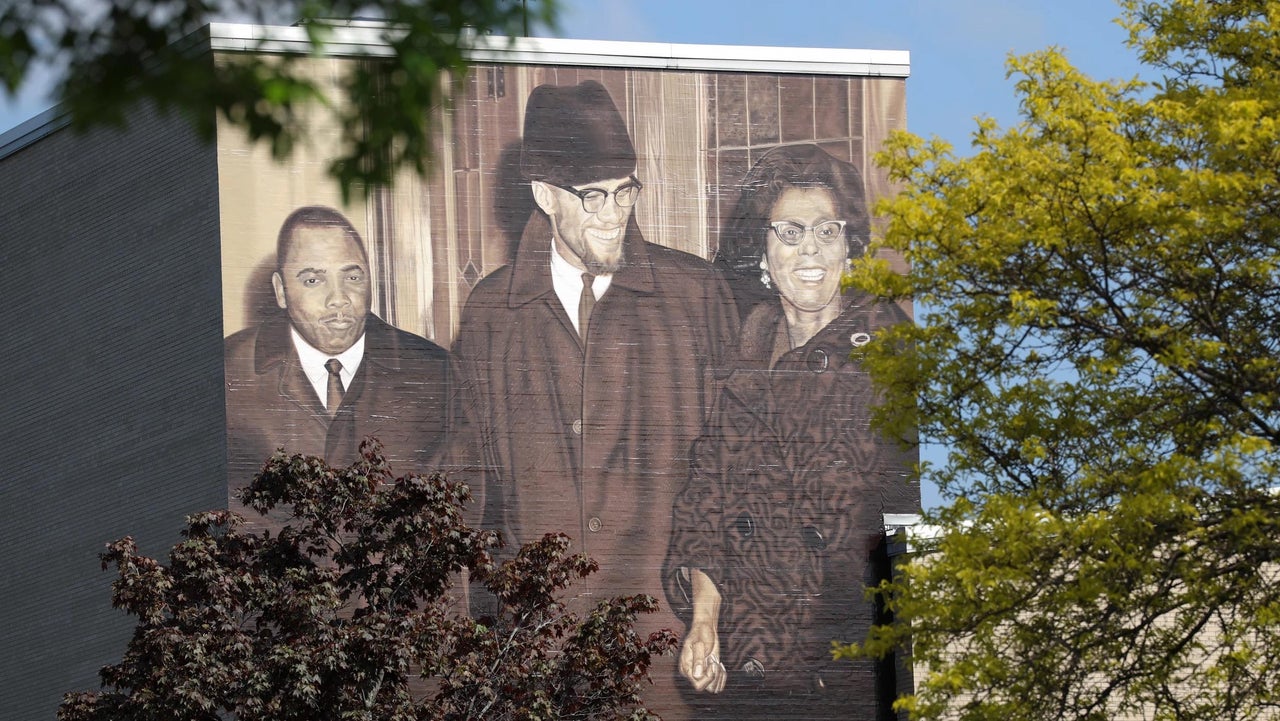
(1099, 350)
(114, 53)
(346, 613)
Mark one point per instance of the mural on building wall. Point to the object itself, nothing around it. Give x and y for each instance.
(324, 372)
(615, 312)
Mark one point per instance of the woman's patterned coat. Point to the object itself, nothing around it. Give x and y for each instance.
(783, 510)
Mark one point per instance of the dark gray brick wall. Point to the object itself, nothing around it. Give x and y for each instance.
(111, 402)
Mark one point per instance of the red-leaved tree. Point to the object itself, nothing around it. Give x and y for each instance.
(351, 611)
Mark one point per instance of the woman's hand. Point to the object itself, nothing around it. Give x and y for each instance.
(700, 659)
(700, 654)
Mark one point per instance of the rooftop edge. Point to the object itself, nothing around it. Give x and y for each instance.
(368, 39)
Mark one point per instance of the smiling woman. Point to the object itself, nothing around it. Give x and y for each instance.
(806, 253)
(776, 531)
(800, 209)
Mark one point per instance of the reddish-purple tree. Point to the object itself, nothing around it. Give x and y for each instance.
(348, 611)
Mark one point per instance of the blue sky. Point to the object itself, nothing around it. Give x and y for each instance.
(958, 47)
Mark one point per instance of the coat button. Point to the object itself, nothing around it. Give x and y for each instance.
(818, 360)
(577, 427)
(595, 524)
(745, 526)
(753, 669)
(813, 538)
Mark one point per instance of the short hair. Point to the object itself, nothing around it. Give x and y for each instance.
(315, 216)
(744, 238)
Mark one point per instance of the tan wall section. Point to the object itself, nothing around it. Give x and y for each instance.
(258, 192)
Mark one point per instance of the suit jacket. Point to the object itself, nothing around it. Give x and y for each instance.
(591, 441)
(399, 395)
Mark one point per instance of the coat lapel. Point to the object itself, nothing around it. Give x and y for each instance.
(382, 355)
(276, 355)
(530, 279)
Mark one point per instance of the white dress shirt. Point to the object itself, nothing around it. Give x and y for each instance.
(313, 360)
(567, 282)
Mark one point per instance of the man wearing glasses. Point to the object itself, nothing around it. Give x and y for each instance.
(582, 366)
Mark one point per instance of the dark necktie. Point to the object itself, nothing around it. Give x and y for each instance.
(585, 304)
(334, 366)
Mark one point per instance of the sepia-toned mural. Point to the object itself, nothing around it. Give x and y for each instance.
(614, 310)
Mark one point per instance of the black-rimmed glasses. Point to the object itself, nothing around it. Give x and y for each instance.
(593, 199)
(826, 232)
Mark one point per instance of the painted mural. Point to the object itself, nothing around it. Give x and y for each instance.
(615, 311)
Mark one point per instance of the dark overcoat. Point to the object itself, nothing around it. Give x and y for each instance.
(783, 511)
(399, 395)
(592, 439)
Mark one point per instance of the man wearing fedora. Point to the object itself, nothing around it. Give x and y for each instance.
(583, 366)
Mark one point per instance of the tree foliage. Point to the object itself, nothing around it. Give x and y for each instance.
(346, 613)
(111, 54)
(1099, 349)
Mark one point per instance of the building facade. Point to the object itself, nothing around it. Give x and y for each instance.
(148, 295)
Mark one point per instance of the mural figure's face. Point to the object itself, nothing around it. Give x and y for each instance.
(589, 241)
(324, 285)
(808, 273)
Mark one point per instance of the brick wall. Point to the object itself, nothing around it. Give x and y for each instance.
(112, 419)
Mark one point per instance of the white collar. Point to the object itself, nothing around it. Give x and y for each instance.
(313, 360)
(567, 282)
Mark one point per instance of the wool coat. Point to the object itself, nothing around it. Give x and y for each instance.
(398, 395)
(783, 511)
(591, 437)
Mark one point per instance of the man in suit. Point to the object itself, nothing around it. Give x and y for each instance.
(325, 373)
(583, 365)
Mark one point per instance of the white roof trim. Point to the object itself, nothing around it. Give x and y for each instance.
(367, 39)
(32, 130)
(907, 534)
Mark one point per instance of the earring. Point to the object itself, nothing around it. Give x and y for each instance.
(764, 273)
(859, 245)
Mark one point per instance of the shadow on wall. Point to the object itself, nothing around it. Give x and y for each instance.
(512, 199)
(259, 297)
